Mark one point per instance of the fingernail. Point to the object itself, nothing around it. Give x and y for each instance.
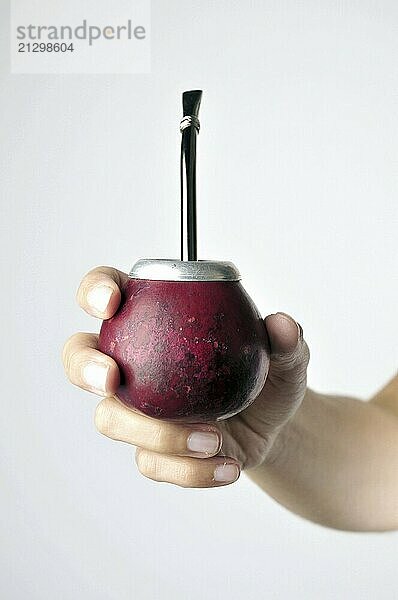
(98, 297)
(299, 328)
(95, 376)
(287, 316)
(203, 442)
(226, 473)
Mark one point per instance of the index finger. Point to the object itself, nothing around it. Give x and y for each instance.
(99, 291)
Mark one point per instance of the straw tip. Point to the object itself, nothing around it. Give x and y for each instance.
(191, 102)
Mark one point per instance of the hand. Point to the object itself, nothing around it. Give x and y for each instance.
(189, 455)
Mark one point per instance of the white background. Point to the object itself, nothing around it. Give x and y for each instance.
(298, 183)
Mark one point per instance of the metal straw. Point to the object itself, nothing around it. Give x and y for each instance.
(189, 128)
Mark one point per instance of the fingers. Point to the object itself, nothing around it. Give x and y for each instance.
(99, 295)
(99, 292)
(88, 368)
(120, 423)
(187, 472)
(182, 454)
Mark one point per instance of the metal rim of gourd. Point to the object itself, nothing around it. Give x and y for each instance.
(163, 269)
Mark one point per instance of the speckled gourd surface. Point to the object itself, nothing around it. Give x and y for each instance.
(187, 350)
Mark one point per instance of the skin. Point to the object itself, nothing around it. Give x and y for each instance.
(330, 459)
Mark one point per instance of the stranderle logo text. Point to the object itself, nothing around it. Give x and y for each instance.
(90, 33)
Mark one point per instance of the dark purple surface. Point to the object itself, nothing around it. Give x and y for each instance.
(194, 351)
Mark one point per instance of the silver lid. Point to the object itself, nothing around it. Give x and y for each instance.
(162, 269)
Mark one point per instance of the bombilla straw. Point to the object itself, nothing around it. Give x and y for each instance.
(189, 128)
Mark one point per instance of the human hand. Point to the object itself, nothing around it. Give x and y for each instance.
(197, 454)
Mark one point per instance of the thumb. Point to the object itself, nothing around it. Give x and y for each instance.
(289, 354)
(286, 384)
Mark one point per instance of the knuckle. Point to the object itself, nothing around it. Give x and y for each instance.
(186, 476)
(76, 352)
(102, 272)
(155, 467)
(159, 437)
(94, 273)
(69, 342)
(97, 278)
(292, 368)
(82, 290)
(70, 351)
(106, 418)
(87, 282)
(166, 438)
